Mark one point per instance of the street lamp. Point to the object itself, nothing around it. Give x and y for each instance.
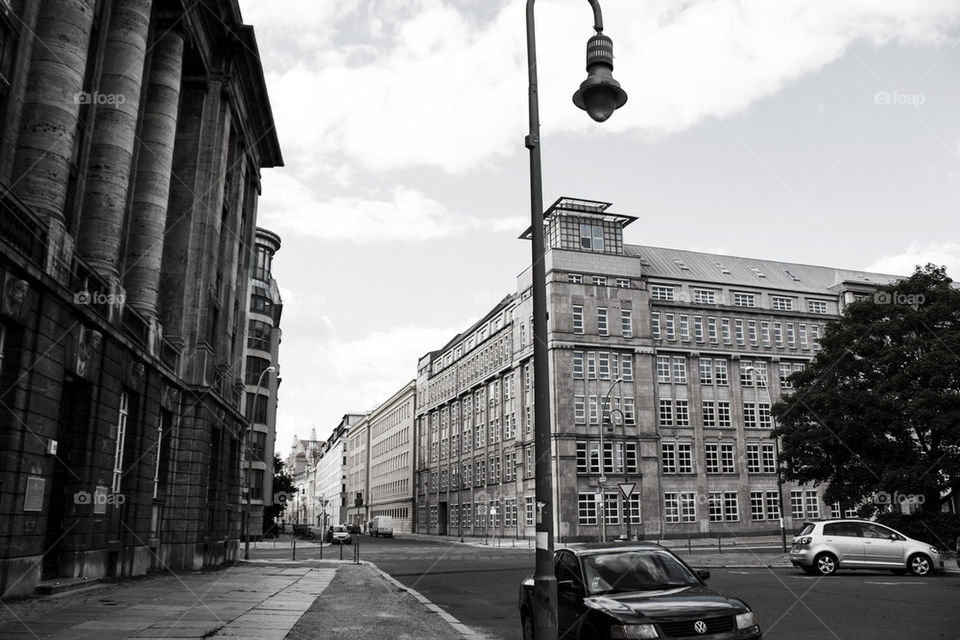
(605, 421)
(599, 95)
(253, 414)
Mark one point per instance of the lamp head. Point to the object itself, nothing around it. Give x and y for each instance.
(600, 95)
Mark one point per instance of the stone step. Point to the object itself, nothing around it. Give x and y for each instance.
(62, 585)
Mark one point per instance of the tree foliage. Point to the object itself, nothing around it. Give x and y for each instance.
(877, 413)
(282, 490)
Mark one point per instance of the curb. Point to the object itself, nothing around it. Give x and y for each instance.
(459, 627)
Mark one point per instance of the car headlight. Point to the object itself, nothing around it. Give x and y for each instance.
(633, 631)
(934, 551)
(747, 620)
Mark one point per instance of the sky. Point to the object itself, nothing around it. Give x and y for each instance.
(822, 132)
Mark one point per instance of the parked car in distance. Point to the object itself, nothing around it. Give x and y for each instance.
(353, 527)
(825, 546)
(638, 591)
(338, 534)
(381, 526)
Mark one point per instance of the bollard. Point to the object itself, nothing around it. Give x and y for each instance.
(719, 545)
(341, 550)
(294, 557)
(689, 550)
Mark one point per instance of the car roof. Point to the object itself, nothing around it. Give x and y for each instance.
(596, 548)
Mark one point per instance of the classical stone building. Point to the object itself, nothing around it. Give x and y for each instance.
(263, 349)
(663, 366)
(132, 139)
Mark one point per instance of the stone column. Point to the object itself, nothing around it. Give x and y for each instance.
(154, 165)
(117, 104)
(48, 128)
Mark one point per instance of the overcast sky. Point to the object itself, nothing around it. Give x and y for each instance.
(817, 131)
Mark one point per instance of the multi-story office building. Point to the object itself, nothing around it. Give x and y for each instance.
(131, 143)
(263, 348)
(663, 367)
(358, 473)
(330, 472)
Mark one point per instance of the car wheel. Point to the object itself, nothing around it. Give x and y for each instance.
(527, 621)
(919, 564)
(825, 564)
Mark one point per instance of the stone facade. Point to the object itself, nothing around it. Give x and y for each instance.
(665, 360)
(133, 136)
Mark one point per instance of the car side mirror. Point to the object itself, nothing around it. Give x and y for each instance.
(567, 586)
(703, 574)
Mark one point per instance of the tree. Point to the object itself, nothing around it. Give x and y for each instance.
(282, 490)
(877, 413)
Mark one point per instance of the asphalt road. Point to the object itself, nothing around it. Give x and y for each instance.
(478, 585)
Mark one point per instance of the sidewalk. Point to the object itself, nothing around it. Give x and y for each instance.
(257, 600)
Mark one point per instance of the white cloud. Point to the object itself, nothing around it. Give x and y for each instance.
(403, 214)
(941, 254)
(440, 89)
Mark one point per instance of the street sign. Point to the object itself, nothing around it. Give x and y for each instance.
(626, 488)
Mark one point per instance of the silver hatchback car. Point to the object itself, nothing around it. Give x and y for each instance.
(825, 546)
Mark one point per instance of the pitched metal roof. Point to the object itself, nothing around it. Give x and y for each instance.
(679, 264)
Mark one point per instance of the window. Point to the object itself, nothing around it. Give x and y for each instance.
(712, 330)
(603, 365)
(666, 413)
(611, 508)
(698, 328)
(765, 333)
(813, 504)
(685, 328)
(688, 506)
(626, 323)
(598, 281)
(726, 458)
(579, 409)
(744, 300)
(720, 371)
(746, 373)
(817, 306)
(782, 304)
(738, 330)
(663, 369)
(731, 505)
(671, 507)
(778, 335)
(753, 458)
(815, 336)
(796, 503)
(704, 296)
(574, 278)
(626, 366)
(785, 372)
(578, 365)
(768, 458)
(802, 330)
(629, 411)
(764, 419)
(752, 332)
(528, 511)
(680, 370)
(578, 318)
(711, 456)
(683, 413)
(623, 283)
(655, 325)
(587, 508)
(684, 458)
(760, 373)
(669, 328)
(258, 335)
(658, 292)
(715, 505)
(594, 416)
(723, 413)
(750, 415)
(632, 509)
(668, 457)
(602, 321)
(591, 365)
(791, 338)
(591, 237)
(725, 330)
(709, 413)
(706, 371)
(773, 505)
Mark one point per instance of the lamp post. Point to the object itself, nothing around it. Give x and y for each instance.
(253, 415)
(599, 95)
(603, 458)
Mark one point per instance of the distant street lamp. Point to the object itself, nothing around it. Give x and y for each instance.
(599, 95)
(776, 454)
(606, 419)
(253, 414)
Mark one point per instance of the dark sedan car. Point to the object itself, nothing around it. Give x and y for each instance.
(637, 591)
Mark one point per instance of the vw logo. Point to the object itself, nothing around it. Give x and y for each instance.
(700, 626)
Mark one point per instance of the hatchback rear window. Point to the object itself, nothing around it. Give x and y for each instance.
(807, 529)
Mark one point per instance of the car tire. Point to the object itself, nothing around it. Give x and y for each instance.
(825, 564)
(528, 630)
(919, 564)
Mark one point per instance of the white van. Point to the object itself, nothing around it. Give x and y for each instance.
(381, 526)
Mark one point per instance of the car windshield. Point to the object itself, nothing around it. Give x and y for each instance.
(642, 570)
(340, 529)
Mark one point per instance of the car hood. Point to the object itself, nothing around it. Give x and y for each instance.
(667, 603)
